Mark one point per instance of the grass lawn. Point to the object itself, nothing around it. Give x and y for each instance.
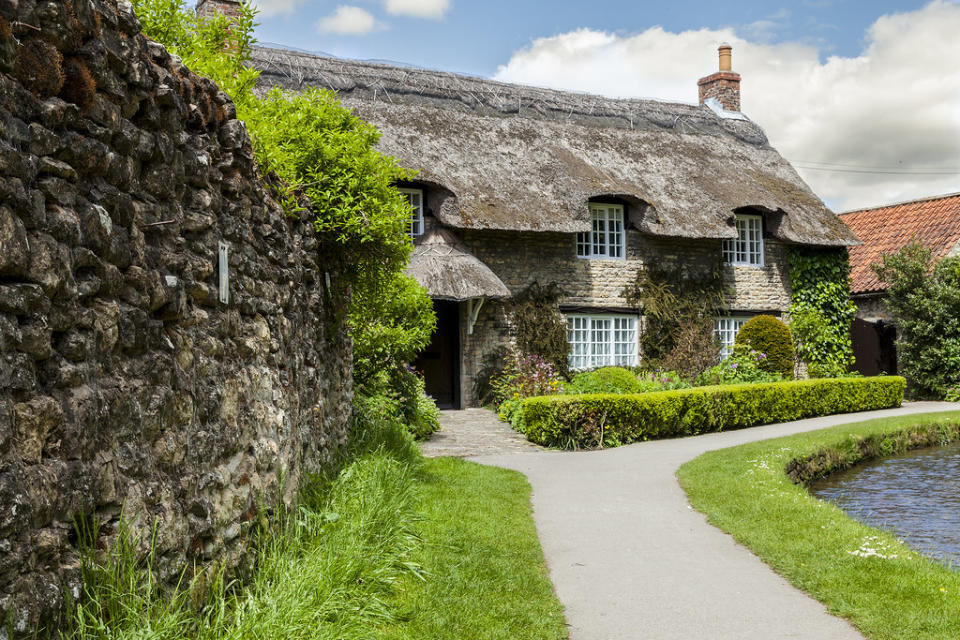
(887, 590)
(394, 546)
(485, 573)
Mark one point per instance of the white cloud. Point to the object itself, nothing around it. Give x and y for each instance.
(349, 21)
(895, 106)
(418, 8)
(274, 7)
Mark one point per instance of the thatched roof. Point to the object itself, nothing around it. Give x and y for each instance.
(522, 158)
(442, 264)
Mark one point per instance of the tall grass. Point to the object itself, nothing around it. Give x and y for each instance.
(327, 567)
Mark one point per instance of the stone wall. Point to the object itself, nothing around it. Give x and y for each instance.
(520, 259)
(873, 307)
(124, 382)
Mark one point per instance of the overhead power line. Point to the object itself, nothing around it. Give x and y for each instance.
(880, 171)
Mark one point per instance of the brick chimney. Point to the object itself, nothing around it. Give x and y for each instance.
(724, 85)
(209, 8)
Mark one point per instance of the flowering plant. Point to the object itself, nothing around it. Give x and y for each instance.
(525, 376)
(743, 365)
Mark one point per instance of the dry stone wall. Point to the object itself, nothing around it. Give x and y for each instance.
(125, 383)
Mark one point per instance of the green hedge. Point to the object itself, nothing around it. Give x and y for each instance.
(584, 421)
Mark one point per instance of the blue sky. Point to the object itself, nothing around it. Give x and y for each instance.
(478, 36)
(862, 97)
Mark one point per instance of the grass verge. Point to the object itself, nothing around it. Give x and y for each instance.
(394, 546)
(486, 576)
(889, 593)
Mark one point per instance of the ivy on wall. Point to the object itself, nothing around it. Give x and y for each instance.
(679, 305)
(539, 325)
(821, 310)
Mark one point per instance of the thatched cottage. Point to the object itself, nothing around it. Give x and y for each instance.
(520, 185)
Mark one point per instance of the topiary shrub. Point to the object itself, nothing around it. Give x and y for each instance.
(768, 335)
(604, 420)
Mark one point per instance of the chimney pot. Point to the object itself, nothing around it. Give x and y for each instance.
(725, 57)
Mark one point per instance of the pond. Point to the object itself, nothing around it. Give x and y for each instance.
(916, 495)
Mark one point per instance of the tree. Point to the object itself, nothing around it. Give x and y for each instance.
(925, 298)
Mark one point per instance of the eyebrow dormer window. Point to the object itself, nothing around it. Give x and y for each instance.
(747, 247)
(606, 238)
(415, 198)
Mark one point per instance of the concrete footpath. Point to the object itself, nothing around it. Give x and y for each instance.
(630, 559)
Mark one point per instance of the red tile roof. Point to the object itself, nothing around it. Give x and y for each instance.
(935, 222)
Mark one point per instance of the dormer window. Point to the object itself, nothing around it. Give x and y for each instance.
(747, 247)
(415, 198)
(606, 238)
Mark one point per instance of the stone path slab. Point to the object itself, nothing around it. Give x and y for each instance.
(628, 556)
(475, 432)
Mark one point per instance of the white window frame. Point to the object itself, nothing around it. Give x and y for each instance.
(607, 237)
(415, 198)
(747, 248)
(726, 330)
(602, 341)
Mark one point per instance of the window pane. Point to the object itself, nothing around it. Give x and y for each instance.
(583, 243)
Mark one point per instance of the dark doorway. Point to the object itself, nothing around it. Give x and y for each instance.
(874, 347)
(440, 361)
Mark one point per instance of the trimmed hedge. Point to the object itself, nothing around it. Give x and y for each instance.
(593, 420)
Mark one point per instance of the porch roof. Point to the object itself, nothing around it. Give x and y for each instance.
(448, 271)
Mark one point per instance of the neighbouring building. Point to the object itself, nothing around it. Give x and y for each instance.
(935, 223)
(519, 185)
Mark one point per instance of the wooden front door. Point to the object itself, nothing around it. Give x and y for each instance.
(440, 361)
(874, 347)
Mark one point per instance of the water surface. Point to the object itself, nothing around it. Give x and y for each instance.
(916, 495)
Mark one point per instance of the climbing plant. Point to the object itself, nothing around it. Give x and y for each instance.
(321, 163)
(539, 325)
(679, 305)
(821, 310)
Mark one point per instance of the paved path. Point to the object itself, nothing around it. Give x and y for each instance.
(630, 559)
(475, 432)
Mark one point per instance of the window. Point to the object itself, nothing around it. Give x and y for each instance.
(606, 236)
(602, 341)
(726, 330)
(747, 247)
(415, 198)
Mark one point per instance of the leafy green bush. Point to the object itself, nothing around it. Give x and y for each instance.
(742, 366)
(576, 421)
(771, 337)
(821, 310)
(609, 380)
(390, 323)
(399, 394)
(926, 301)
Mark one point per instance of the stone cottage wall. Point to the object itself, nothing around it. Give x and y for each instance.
(125, 383)
(520, 259)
